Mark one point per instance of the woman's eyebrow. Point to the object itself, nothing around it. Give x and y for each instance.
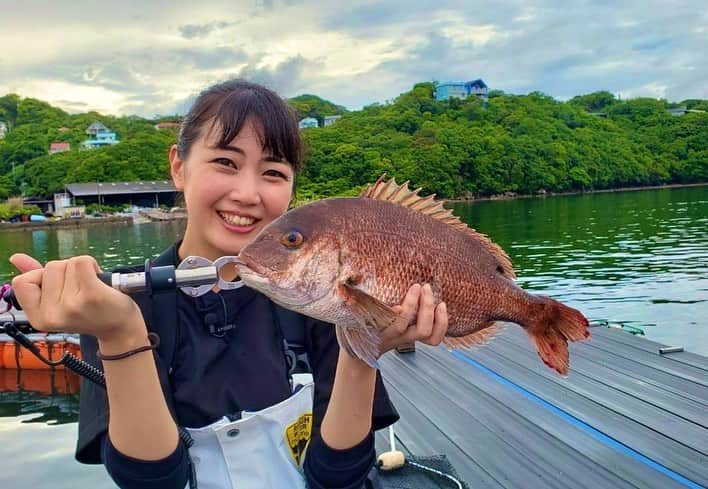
(229, 147)
(236, 149)
(273, 159)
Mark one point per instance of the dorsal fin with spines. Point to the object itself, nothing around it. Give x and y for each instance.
(401, 194)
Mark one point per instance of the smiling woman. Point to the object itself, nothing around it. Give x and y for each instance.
(238, 152)
(226, 352)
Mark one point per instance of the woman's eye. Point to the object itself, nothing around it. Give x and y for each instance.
(224, 162)
(275, 173)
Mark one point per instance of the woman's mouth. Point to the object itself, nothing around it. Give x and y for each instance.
(239, 224)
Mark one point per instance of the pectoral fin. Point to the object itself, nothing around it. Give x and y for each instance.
(368, 310)
(360, 343)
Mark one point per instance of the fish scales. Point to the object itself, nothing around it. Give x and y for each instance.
(349, 260)
(395, 247)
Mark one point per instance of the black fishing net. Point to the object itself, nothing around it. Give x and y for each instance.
(411, 477)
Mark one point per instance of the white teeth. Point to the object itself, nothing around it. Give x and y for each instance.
(237, 220)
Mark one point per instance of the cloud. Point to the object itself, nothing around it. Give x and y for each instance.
(147, 59)
(287, 77)
(192, 31)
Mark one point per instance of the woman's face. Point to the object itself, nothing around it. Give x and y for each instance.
(231, 193)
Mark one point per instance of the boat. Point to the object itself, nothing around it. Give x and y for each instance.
(52, 346)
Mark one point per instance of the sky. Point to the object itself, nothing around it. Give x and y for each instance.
(150, 57)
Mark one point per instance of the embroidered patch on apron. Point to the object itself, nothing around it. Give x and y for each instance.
(297, 436)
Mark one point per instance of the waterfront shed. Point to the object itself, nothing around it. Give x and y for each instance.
(142, 194)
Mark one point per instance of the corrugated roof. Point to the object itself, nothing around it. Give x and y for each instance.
(116, 188)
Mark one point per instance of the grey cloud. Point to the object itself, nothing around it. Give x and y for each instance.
(192, 31)
(123, 71)
(381, 18)
(286, 78)
(563, 51)
(220, 57)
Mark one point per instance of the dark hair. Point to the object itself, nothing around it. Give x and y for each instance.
(228, 105)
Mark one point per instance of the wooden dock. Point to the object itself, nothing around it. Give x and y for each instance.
(625, 417)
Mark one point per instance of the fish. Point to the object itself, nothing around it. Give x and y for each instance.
(348, 261)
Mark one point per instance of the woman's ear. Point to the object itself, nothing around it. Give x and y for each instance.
(176, 168)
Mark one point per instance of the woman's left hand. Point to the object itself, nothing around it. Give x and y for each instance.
(422, 320)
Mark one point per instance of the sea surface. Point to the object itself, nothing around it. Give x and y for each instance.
(634, 258)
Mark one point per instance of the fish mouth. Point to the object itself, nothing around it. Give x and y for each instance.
(256, 276)
(244, 263)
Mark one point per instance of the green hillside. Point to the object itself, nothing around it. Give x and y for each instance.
(522, 144)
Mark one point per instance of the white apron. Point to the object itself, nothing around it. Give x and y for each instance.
(262, 450)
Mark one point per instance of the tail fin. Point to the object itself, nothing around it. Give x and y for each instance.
(553, 328)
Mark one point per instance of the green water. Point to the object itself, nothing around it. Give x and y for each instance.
(634, 257)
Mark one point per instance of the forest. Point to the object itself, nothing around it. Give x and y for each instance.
(520, 144)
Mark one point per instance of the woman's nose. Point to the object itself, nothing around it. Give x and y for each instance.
(246, 191)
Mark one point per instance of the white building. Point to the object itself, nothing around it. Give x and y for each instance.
(99, 137)
(330, 119)
(308, 122)
(3, 129)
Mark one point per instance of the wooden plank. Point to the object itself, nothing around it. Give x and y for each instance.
(517, 452)
(650, 346)
(626, 393)
(590, 408)
(624, 364)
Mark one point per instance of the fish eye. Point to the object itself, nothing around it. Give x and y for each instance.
(292, 239)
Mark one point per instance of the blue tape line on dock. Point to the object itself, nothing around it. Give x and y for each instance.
(598, 435)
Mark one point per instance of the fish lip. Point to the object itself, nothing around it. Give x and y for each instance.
(245, 262)
(256, 273)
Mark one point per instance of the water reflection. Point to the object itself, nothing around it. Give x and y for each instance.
(72, 242)
(640, 257)
(112, 245)
(51, 395)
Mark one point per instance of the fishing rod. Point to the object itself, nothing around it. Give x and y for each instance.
(195, 276)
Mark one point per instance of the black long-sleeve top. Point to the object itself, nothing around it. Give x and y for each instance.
(210, 376)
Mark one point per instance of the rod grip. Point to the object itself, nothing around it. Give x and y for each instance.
(9, 295)
(106, 278)
(9, 298)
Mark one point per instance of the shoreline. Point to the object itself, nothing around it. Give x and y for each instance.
(65, 223)
(512, 195)
(160, 216)
(143, 217)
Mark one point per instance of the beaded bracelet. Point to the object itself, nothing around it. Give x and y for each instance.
(154, 339)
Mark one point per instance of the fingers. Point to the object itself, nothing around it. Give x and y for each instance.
(440, 325)
(52, 288)
(24, 263)
(431, 321)
(81, 274)
(426, 311)
(28, 292)
(409, 306)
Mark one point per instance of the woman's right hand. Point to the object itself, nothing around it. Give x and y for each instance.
(67, 295)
